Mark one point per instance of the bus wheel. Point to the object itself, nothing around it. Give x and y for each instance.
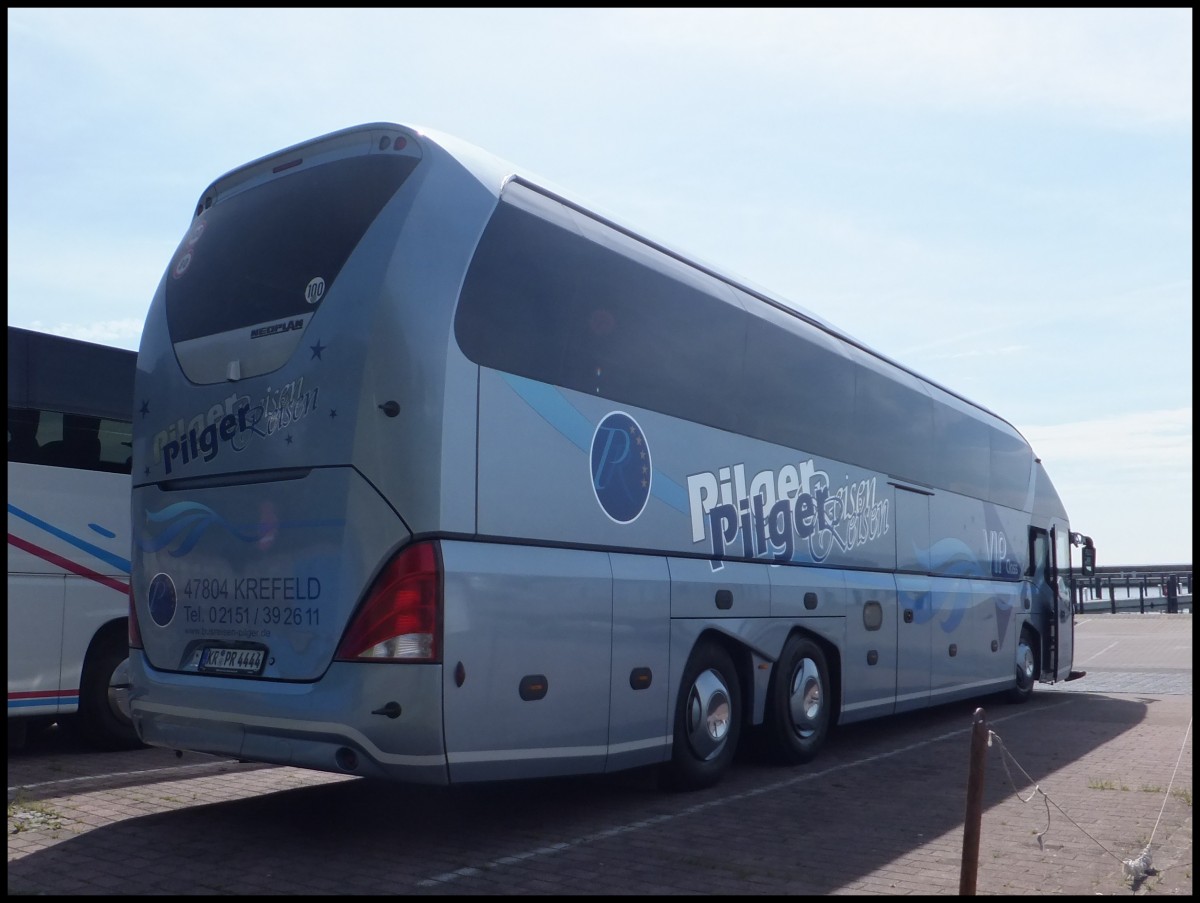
(103, 695)
(1026, 667)
(799, 708)
(708, 720)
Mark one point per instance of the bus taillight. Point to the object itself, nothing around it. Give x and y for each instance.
(400, 620)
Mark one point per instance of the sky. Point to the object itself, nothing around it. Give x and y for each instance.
(999, 199)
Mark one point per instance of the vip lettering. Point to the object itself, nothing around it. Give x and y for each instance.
(997, 552)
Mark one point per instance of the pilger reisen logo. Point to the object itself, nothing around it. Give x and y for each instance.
(162, 599)
(621, 469)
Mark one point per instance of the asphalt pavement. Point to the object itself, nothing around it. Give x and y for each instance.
(1087, 789)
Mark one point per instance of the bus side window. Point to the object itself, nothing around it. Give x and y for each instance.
(1039, 554)
(116, 445)
(80, 445)
(23, 445)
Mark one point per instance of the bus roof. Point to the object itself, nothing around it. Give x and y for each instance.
(71, 376)
(495, 172)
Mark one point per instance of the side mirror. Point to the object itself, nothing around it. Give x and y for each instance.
(1088, 566)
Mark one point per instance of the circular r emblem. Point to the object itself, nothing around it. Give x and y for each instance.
(621, 467)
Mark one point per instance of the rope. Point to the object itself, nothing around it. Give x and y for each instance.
(1178, 759)
(1037, 790)
(1135, 869)
(1138, 868)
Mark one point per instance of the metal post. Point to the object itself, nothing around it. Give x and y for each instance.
(1142, 598)
(974, 816)
(1112, 596)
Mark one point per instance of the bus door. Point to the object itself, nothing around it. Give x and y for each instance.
(1044, 610)
(914, 640)
(1063, 613)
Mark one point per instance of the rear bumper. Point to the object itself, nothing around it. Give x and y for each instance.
(333, 724)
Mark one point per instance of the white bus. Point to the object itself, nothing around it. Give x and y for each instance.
(69, 426)
(442, 477)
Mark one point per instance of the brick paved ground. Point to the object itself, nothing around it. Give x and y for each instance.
(880, 812)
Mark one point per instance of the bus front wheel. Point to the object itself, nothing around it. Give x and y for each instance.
(1027, 667)
(708, 720)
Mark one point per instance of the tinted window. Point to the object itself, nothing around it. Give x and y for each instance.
(77, 441)
(600, 313)
(1012, 460)
(248, 259)
(53, 373)
(69, 402)
(962, 449)
(559, 297)
(799, 388)
(893, 421)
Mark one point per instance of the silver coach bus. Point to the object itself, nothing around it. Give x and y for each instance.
(440, 477)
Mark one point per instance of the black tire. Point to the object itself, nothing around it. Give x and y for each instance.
(102, 723)
(708, 720)
(799, 702)
(22, 731)
(18, 733)
(1026, 667)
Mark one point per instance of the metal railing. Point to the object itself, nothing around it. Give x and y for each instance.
(1155, 588)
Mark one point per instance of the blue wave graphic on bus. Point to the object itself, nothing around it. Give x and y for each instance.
(955, 558)
(116, 561)
(191, 520)
(553, 407)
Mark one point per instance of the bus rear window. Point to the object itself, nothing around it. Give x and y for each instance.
(252, 257)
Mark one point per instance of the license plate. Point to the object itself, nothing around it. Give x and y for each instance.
(232, 661)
